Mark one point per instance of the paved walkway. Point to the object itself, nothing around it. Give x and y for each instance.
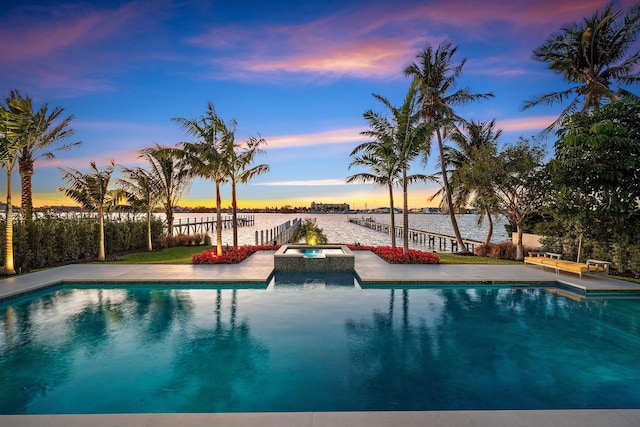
(257, 270)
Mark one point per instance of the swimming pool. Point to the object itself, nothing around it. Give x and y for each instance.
(317, 345)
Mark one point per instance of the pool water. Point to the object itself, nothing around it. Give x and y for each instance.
(315, 253)
(314, 346)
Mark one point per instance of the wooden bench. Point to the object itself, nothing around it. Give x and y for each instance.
(555, 261)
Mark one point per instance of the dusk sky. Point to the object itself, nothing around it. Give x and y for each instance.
(297, 73)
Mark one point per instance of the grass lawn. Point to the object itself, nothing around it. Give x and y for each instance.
(177, 255)
(447, 258)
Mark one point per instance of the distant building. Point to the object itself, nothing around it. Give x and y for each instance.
(430, 210)
(381, 210)
(329, 207)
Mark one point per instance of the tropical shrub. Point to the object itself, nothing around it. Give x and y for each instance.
(229, 254)
(310, 232)
(398, 256)
(504, 250)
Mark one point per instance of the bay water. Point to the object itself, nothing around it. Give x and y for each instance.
(338, 229)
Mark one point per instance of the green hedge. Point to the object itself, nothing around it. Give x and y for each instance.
(52, 240)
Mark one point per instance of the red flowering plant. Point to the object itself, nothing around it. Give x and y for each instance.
(229, 255)
(398, 256)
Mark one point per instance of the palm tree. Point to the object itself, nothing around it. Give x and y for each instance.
(383, 171)
(13, 122)
(592, 56)
(410, 137)
(143, 193)
(238, 161)
(91, 191)
(205, 157)
(407, 136)
(380, 158)
(170, 175)
(41, 139)
(436, 78)
(470, 178)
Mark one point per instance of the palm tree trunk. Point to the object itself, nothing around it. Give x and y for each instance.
(218, 220)
(101, 254)
(393, 217)
(487, 242)
(8, 259)
(447, 192)
(25, 169)
(149, 244)
(168, 210)
(405, 211)
(234, 213)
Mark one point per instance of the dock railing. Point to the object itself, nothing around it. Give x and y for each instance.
(422, 237)
(205, 224)
(278, 235)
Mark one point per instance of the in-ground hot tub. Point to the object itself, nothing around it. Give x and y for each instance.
(314, 258)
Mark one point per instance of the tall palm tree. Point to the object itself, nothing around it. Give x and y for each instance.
(409, 137)
(91, 191)
(142, 192)
(205, 157)
(41, 139)
(383, 171)
(436, 78)
(380, 158)
(13, 121)
(238, 161)
(170, 175)
(592, 56)
(465, 163)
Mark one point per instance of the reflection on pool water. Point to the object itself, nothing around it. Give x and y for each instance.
(314, 345)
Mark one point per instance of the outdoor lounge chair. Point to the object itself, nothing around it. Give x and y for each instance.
(555, 261)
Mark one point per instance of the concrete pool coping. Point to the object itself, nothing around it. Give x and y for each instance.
(372, 271)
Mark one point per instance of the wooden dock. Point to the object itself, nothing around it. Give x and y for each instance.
(281, 234)
(206, 224)
(421, 237)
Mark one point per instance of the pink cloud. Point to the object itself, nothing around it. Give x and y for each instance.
(336, 136)
(63, 28)
(373, 58)
(526, 123)
(73, 47)
(349, 43)
(124, 157)
(472, 15)
(379, 40)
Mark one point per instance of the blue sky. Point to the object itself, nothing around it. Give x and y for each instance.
(298, 73)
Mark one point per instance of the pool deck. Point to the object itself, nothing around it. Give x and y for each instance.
(372, 271)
